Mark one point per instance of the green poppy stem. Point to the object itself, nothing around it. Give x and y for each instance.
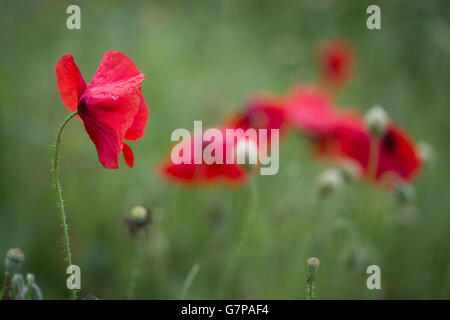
(311, 287)
(373, 158)
(5, 285)
(189, 280)
(62, 212)
(136, 264)
(247, 224)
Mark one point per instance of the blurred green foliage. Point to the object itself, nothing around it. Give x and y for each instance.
(203, 59)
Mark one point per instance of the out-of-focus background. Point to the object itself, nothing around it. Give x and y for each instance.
(202, 60)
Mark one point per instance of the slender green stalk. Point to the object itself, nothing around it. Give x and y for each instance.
(313, 264)
(5, 285)
(29, 284)
(240, 240)
(136, 265)
(189, 280)
(62, 212)
(311, 287)
(373, 158)
(13, 291)
(316, 214)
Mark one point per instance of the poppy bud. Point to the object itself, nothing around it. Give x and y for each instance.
(17, 283)
(247, 153)
(139, 213)
(350, 171)
(376, 120)
(426, 152)
(31, 290)
(139, 218)
(14, 259)
(405, 194)
(328, 181)
(313, 265)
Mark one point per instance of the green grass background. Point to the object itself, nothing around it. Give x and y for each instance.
(202, 60)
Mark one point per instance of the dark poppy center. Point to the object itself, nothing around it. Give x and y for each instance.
(82, 107)
(389, 143)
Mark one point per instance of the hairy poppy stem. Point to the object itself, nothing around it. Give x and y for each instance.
(309, 292)
(247, 218)
(5, 285)
(136, 265)
(313, 266)
(62, 212)
(373, 158)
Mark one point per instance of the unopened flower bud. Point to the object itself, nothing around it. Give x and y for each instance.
(139, 218)
(30, 278)
(246, 153)
(31, 290)
(426, 152)
(405, 194)
(139, 213)
(17, 283)
(313, 265)
(350, 171)
(376, 120)
(14, 259)
(328, 181)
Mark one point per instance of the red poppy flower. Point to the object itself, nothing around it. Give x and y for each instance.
(262, 112)
(111, 106)
(190, 174)
(310, 109)
(397, 155)
(336, 60)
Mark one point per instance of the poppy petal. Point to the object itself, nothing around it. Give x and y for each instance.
(310, 109)
(262, 112)
(128, 155)
(351, 141)
(115, 70)
(116, 83)
(70, 82)
(137, 129)
(184, 173)
(232, 172)
(337, 62)
(106, 140)
(205, 174)
(110, 102)
(398, 154)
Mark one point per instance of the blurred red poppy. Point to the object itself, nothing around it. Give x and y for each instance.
(397, 160)
(336, 60)
(190, 174)
(311, 110)
(111, 106)
(262, 112)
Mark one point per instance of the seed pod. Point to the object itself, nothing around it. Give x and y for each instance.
(17, 284)
(328, 181)
(405, 194)
(31, 290)
(376, 120)
(313, 265)
(138, 219)
(426, 152)
(14, 259)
